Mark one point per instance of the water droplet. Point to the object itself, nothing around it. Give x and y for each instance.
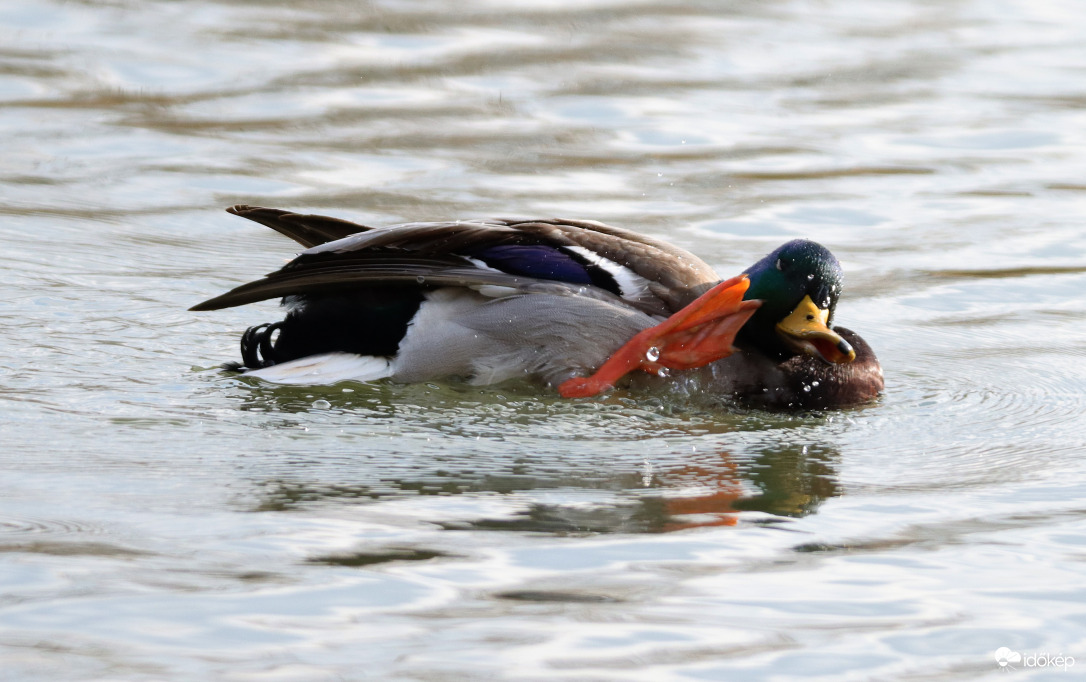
(646, 474)
(652, 354)
(420, 279)
(810, 277)
(805, 449)
(814, 383)
(806, 388)
(663, 372)
(321, 404)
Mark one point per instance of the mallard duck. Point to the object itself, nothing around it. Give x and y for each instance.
(575, 304)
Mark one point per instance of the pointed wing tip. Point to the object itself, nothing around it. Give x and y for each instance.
(242, 209)
(219, 302)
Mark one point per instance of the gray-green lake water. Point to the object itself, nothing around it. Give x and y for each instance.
(162, 520)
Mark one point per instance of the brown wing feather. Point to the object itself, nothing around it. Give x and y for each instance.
(440, 238)
(404, 270)
(345, 255)
(676, 275)
(307, 230)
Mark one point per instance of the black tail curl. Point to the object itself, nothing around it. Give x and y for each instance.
(364, 322)
(256, 346)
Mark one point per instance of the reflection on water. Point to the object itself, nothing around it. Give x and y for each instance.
(788, 482)
(161, 519)
(364, 558)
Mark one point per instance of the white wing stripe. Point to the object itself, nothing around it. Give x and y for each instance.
(631, 285)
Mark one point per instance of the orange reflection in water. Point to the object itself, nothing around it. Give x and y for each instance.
(717, 505)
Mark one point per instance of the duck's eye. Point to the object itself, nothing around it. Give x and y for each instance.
(810, 318)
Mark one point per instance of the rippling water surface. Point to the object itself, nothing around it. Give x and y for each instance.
(161, 520)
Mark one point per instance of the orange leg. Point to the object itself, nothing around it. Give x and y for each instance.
(693, 337)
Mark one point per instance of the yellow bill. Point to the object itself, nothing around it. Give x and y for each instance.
(805, 330)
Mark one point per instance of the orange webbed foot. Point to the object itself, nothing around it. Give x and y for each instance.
(700, 333)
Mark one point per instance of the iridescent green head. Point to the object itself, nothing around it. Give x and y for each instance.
(798, 284)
